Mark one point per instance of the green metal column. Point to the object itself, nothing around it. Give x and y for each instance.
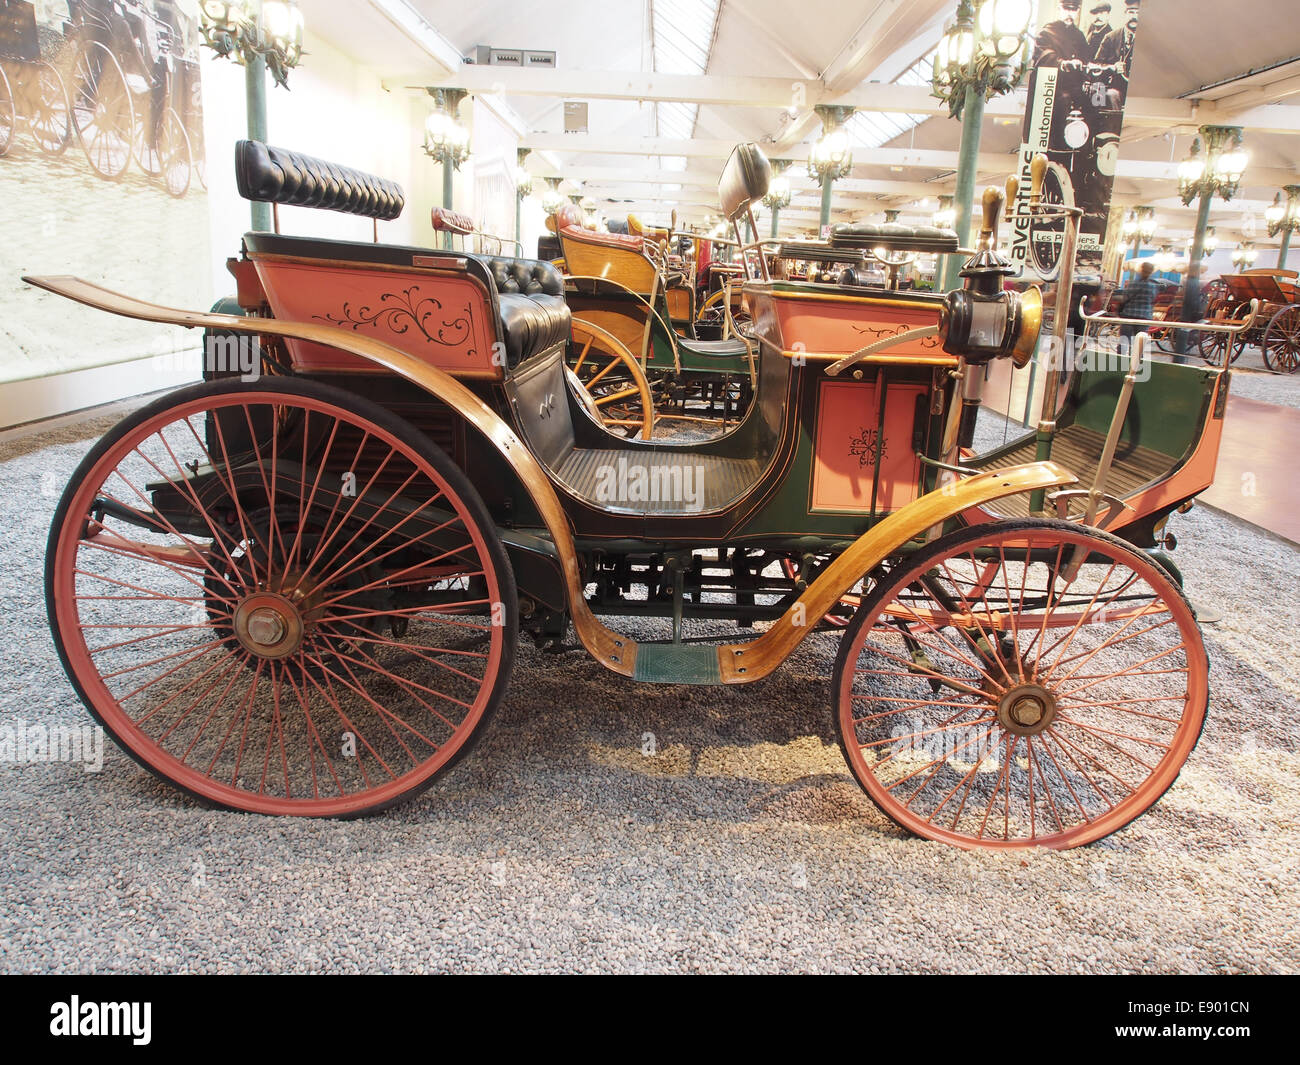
(827, 186)
(1286, 248)
(972, 121)
(1192, 309)
(255, 93)
(448, 174)
(776, 214)
(519, 219)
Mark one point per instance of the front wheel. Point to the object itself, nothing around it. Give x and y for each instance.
(281, 598)
(1281, 343)
(1021, 684)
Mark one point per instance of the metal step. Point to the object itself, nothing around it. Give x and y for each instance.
(677, 663)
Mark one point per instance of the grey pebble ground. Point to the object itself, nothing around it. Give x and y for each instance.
(741, 844)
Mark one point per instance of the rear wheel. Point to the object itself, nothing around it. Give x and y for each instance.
(281, 598)
(43, 102)
(1030, 683)
(1281, 343)
(1214, 346)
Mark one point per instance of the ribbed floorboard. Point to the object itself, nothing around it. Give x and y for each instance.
(656, 482)
(1079, 450)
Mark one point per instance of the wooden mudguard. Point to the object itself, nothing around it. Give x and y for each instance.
(738, 663)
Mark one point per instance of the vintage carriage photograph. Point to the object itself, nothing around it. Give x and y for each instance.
(645, 487)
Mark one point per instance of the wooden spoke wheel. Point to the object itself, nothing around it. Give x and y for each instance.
(173, 156)
(281, 598)
(103, 110)
(1028, 683)
(8, 114)
(42, 103)
(1281, 343)
(1214, 346)
(614, 385)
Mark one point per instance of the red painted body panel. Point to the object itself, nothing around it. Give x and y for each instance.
(847, 446)
(441, 320)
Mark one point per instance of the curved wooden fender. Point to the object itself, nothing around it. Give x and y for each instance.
(615, 652)
(740, 663)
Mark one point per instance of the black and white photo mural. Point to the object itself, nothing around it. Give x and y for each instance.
(1081, 61)
(102, 170)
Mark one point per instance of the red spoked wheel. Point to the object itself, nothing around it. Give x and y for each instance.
(1028, 683)
(281, 598)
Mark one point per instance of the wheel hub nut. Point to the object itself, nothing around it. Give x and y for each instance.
(265, 627)
(1027, 711)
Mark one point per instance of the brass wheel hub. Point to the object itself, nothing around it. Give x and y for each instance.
(1026, 709)
(269, 625)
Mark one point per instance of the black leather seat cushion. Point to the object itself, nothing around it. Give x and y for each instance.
(532, 324)
(894, 236)
(277, 175)
(819, 253)
(530, 294)
(713, 349)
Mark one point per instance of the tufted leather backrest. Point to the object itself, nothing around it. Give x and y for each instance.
(277, 175)
(527, 277)
(744, 180)
(893, 236)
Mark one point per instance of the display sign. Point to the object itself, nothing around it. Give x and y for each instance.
(1078, 86)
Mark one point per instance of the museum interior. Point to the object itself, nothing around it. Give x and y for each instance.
(714, 473)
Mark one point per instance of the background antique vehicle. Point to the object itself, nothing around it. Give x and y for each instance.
(335, 543)
(1277, 328)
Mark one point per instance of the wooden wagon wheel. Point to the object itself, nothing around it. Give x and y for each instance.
(8, 115)
(318, 626)
(1021, 684)
(176, 158)
(1281, 343)
(44, 107)
(1212, 345)
(615, 386)
(103, 110)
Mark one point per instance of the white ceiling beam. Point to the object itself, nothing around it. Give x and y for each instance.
(728, 90)
(420, 31)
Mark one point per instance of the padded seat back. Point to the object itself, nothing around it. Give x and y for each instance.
(448, 221)
(277, 175)
(744, 180)
(894, 236)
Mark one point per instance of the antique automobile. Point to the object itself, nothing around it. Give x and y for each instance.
(298, 587)
(637, 332)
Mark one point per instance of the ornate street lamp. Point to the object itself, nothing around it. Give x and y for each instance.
(983, 54)
(523, 189)
(260, 37)
(832, 156)
(552, 198)
(1244, 255)
(446, 140)
(1284, 218)
(244, 31)
(778, 191)
(946, 216)
(1215, 164)
(1211, 244)
(1140, 227)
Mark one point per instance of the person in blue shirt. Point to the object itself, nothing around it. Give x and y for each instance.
(1138, 299)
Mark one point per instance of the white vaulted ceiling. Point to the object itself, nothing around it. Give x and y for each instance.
(654, 143)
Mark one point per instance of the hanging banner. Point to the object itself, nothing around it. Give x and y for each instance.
(1078, 85)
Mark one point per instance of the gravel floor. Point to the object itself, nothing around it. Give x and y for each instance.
(742, 844)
